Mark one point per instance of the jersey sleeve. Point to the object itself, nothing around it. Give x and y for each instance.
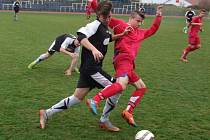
(193, 13)
(153, 29)
(118, 26)
(89, 30)
(67, 42)
(186, 14)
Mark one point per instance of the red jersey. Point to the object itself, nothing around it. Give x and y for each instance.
(93, 4)
(195, 28)
(128, 45)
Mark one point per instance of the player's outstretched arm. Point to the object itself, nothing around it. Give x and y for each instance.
(156, 23)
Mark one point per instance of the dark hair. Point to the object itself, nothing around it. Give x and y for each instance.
(136, 12)
(104, 8)
(203, 10)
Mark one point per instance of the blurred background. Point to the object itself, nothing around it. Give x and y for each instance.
(172, 7)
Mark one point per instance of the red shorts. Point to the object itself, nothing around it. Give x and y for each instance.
(125, 67)
(88, 9)
(194, 40)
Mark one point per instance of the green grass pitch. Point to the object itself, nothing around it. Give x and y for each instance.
(176, 106)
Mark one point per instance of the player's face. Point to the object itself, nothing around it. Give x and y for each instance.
(109, 17)
(106, 20)
(202, 14)
(136, 21)
(76, 43)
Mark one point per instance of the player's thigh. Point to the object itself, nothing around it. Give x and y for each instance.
(139, 84)
(193, 40)
(198, 42)
(101, 79)
(16, 9)
(52, 48)
(80, 93)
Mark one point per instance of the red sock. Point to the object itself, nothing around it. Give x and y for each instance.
(135, 99)
(108, 92)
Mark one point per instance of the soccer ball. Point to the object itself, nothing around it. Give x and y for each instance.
(144, 135)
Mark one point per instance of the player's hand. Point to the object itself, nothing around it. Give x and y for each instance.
(67, 72)
(72, 55)
(127, 30)
(159, 10)
(97, 55)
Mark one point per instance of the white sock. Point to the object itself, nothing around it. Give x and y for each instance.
(110, 104)
(41, 58)
(63, 104)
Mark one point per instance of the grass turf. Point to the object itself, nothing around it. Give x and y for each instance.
(176, 106)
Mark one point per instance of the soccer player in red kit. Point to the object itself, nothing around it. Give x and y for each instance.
(193, 38)
(91, 5)
(126, 50)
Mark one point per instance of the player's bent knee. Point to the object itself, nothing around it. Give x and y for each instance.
(81, 98)
(139, 84)
(124, 86)
(198, 46)
(80, 93)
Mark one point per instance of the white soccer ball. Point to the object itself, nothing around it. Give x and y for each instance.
(144, 135)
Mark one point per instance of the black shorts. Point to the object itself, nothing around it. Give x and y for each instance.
(54, 47)
(16, 9)
(188, 20)
(99, 79)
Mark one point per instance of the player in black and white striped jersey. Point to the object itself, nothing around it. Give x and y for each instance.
(65, 43)
(95, 38)
(16, 7)
(188, 16)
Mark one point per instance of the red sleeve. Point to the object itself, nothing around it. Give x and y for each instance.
(118, 26)
(155, 26)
